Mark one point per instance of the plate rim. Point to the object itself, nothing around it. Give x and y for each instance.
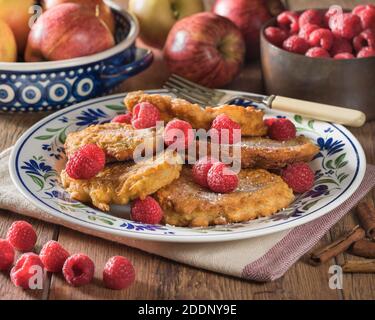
(197, 238)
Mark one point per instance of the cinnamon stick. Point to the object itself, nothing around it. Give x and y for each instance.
(364, 248)
(337, 247)
(354, 266)
(366, 216)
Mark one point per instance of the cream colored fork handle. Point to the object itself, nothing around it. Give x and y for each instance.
(318, 111)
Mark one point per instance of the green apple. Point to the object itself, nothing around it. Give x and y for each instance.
(156, 17)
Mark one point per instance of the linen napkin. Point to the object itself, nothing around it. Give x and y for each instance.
(261, 259)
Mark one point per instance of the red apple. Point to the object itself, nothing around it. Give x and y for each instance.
(156, 17)
(8, 46)
(16, 14)
(98, 6)
(205, 48)
(248, 16)
(67, 31)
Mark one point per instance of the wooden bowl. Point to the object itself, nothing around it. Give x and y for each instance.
(346, 83)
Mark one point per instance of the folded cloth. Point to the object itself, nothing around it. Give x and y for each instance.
(261, 259)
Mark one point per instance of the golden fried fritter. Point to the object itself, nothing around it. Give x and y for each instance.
(250, 119)
(118, 183)
(259, 194)
(117, 140)
(258, 152)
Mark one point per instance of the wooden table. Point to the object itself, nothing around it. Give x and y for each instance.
(159, 278)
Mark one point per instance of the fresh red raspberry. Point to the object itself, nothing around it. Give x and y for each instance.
(123, 118)
(21, 235)
(317, 52)
(78, 270)
(359, 8)
(179, 132)
(282, 130)
(345, 25)
(200, 170)
(332, 11)
(276, 35)
(296, 44)
(305, 30)
(53, 256)
(23, 271)
(222, 179)
(343, 56)
(311, 16)
(118, 273)
(288, 20)
(86, 162)
(341, 45)
(364, 39)
(145, 115)
(146, 211)
(225, 127)
(6, 255)
(299, 177)
(366, 53)
(367, 16)
(321, 38)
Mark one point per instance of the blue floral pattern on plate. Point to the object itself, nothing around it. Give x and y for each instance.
(39, 156)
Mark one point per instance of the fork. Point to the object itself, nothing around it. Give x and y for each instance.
(196, 93)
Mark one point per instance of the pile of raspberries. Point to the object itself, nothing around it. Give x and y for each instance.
(77, 269)
(326, 34)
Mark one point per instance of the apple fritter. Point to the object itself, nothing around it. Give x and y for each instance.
(250, 119)
(118, 140)
(121, 182)
(259, 194)
(265, 153)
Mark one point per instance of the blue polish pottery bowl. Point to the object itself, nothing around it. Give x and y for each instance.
(52, 85)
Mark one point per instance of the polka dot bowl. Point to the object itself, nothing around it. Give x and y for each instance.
(52, 85)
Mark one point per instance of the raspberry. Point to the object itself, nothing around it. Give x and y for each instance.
(78, 270)
(200, 170)
(296, 44)
(179, 132)
(299, 177)
(282, 130)
(321, 38)
(341, 45)
(366, 52)
(345, 25)
(225, 127)
(145, 115)
(288, 20)
(276, 35)
(118, 273)
(343, 56)
(317, 52)
(53, 256)
(367, 16)
(86, 162)
(359, 8)
(146, 211)
(21, 235)
(364, 39)
(6, 255)
(22, 272)
(311, 16)
(221, 179)
(123, 118)
(305, 30)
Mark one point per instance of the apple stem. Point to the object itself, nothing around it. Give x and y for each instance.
(176, 13)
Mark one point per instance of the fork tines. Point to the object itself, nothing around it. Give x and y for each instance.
(193, 92)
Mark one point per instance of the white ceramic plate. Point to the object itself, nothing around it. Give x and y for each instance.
(38, 156)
